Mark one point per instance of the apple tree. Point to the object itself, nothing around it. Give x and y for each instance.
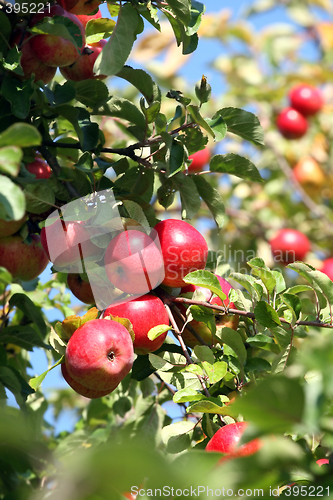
(227, 338)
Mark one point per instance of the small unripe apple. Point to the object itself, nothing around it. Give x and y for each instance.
(226, 439)
(292, 124)
(99, 354)
(79, 388)
(25, 261)
(144, 313)
(328, 268)
(308, 173)
(83, 68)
(306, 99)
(184, 250)
(9, 227)
(84, 18)
(199, 160)
(289, 245)
(133, 262)
(54, 50)
(80, 288)
(39, 168)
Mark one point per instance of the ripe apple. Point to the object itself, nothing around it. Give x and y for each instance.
(322, 461)
(199, 160)
(66, 243)
(306, 99)
(40, 168)
(328, 268)
(83, 68)
(84, 18)
(99, 354)
(144, 313)
(29, 63)
(25, 261)
(308, 173)
(226, 439)
(289, 245)
(228, 320)
(80, 288)
(79, 388)
(80, 6)
(292, 124)
(133, 263)
(184, 250)
(9, 227)
(54, 50)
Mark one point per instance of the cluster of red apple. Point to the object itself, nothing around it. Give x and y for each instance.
(305, 101)
(42, 54)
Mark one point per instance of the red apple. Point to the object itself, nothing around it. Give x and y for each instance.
(79, 388)
(39, 168)
(84, 18)
(184, 250)
(9, 227)
(80, 6)
(199, 160)
(99, 354)
(29, 63)
(229, 320)
(292, 124)
(308, 173)
(289, 245)
(306, 99)
(54, 50)
(80, 288)
(144, 313)
(66, 243)
(25, 261)
(133, 262)
(328, 268)
(322, 461)
(83, 68)
(226, 439)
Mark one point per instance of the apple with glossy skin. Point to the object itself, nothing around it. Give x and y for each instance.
(54, 50)
(84, 18)
(25, 261)
(66, 243)
(199, 160)
(133, 262)
(292, 124)
(100, 354)
(328, 268)
(9, 227)
(83, 68)
(226, 439)
(306, 99)
(79, 388)
(144, 313)
(308, 173)
(184, 250)
(80, 288)
(322, 461)
(80, 6)
(39, 168)
(289, 245)
(228, 320)
(29, 63)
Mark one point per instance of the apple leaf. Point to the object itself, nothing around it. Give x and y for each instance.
(243, 123)
(182, 10)
(207, 280)
(212, 198)
(156, 331)
(10, 160)
(12, 200)
(204, 315)
(177, 437)
(186, 395)
(99, 29)
(39, 197)
(125, 109)
(19, 94)
(237, 165)
(57, 343)
(20, 134)
(250, 284)
(23, 336)
(142, 81)
(5, 30)
(91, 92)
(13, 380)
(266, 315)
(189, 195)
(137, 214)
(197, 118)
(260, 269)
(194, 369)
(181, 380)
(316, 278)
(204, 353)
(66, 329)
(35, 382)
(31, 311)
(234, 340)
(211, 405)
(264, 342)
(216, 371)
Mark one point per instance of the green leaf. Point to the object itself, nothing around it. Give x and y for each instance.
(249, 283)
(197, 118)
(61, 94)
(266, 275)
(168, 361)
(137, 180)
(125, 109)
(211, 196)
(142, 81)
(12, 379)
(23, 336)
(243, 123)
(188, 194)
(207, 280)
(319, 281)
(152, 111)
(177, 437)
(181, 380)
(293, 302)
(5, 30)
(210, 406)
(135, 212)
(39, 197)
(60, 26)
(91, 92)
(10, 160)
(266, 315)
(57, 343)
(35, 382)
(215, 372)
(175, 157)
(5, 276)
(99, 29)
(20, 134)
(87, 132)
(234, 164)
(204, 353)
(186, 395)
(12, 200)
(115, 53)
(182, 9)
(219, 127)
(156, 331)
(234, 340)
(204, 315)
(275, 404)
(25, 304)
(263, 342)
(19, 94)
